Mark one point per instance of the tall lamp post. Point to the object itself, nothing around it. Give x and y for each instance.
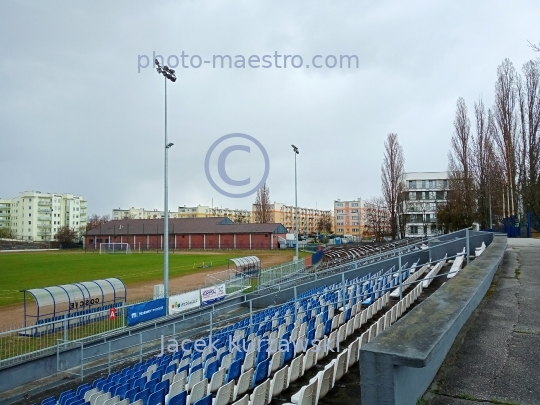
(296, 152)
(168, 74)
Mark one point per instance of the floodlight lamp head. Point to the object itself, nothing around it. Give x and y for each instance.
(156, 62)
(169, 145)
(295, 149)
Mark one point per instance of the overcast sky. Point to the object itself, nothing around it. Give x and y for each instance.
(77, 116)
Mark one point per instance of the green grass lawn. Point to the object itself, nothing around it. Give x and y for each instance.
(22, 271)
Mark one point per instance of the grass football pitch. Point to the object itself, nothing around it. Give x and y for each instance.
(22, 271)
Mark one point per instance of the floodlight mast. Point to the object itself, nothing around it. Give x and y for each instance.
(296, 152)
(169, 74)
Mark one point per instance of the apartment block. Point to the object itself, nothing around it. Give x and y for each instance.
(34, 215)
(424, 193)
(349, 217)
(199, 211)
(139, 213)
(308, 218)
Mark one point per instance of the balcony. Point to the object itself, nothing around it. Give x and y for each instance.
(44, 209)
(44, 226)
(44, 217)
(5, 214)
(420, 221)
(44, 202)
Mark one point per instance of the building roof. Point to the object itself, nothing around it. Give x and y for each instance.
(212, 225)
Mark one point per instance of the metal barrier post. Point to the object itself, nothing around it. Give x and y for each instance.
(468, 253)
(140, 347)
(343, 290)
(211, 319)
(82, 361)
(400, 284)
(109, 358)
(250, 315)
(65, 328)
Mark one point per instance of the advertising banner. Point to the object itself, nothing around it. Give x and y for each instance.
(183, 302)
(210, 295)
(146, 311)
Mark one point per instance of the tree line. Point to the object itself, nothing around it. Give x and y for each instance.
(494, 167)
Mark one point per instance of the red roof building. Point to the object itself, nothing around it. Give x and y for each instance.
(186, 233)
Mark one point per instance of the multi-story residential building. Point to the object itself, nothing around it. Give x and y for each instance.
(5, 216)
(34, 215)
(199, 211)
(349, 217)
(424, 193)
(139, 213)
(308, 218)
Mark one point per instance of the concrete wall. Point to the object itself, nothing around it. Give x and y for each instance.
(399, 365)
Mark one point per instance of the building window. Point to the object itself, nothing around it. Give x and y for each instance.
(423, 184)
(412, 184)
(29, 222)
(418, 195)
(354, 205)
(414, 230)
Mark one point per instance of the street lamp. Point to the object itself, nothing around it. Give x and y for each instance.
(169, 74)
(296, 152)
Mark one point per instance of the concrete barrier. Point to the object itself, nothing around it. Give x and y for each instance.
(399, 365)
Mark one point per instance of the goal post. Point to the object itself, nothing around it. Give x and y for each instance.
(114, 247)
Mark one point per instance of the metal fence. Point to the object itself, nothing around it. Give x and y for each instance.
(234, 281)
(32, 341)
(283, 271)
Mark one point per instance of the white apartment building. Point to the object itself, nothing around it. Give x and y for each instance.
(140, 213)
(200, 211)
(38, 216)
(423, 192)
(349, 217)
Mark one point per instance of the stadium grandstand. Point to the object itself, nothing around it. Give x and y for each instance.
(296, 350)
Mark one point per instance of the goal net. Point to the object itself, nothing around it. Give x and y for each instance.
(114, 248)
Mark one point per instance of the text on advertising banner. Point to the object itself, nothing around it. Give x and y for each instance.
(213, 294)
(146, 311)
(183, 302)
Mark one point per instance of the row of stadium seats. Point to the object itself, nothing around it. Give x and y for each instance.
(238, 362)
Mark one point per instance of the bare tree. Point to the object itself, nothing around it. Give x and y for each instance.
(66, 235)
(506, 128)
(129, 215)
(261, 209)
(461, 204)
(95, 220)
(377, 218)
(324, 223)
(529, 153)
(392, 178)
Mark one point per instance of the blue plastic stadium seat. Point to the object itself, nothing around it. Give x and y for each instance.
(49, 401)
(234, 370)
(207, 400)
(163, 386)
(144, 394)
(156, 398)
(130, 394)
(179, 399)
(151, 385)
(261, 372)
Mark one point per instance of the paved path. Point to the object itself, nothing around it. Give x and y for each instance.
(496, 357)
